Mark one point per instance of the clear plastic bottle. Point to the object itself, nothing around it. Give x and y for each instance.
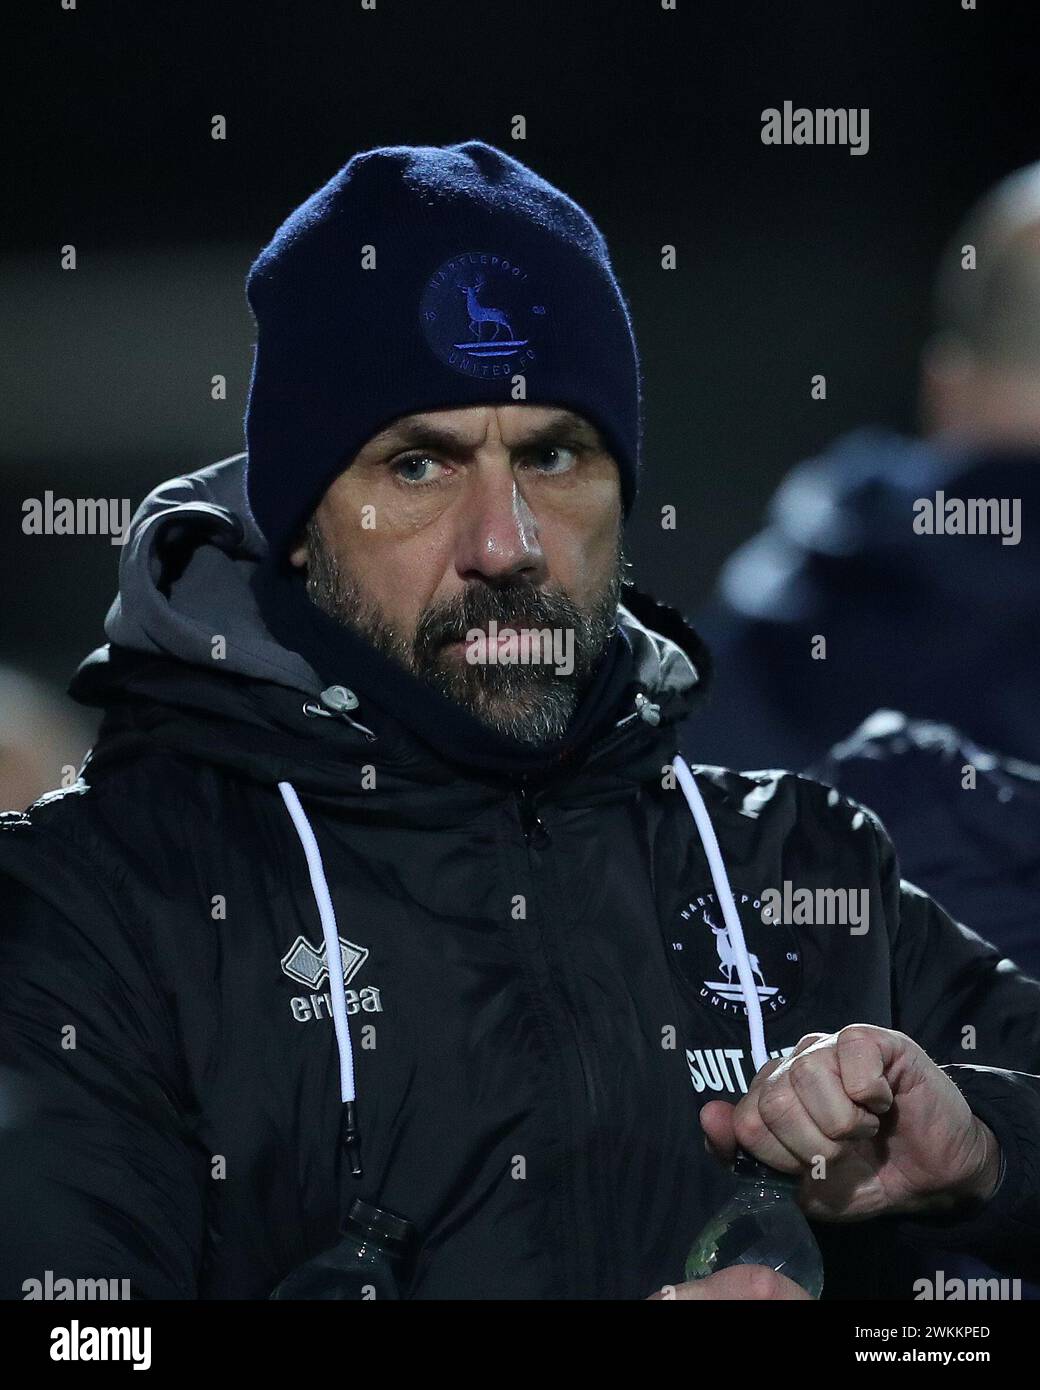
(761, 1224)
(370, 1262)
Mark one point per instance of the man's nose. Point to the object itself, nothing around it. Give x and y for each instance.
(498, 534)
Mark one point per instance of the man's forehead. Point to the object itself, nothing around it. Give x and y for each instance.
(468, 425)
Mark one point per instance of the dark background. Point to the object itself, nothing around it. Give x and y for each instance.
(791, 260)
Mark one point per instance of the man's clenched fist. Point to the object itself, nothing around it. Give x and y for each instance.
(869, 1119)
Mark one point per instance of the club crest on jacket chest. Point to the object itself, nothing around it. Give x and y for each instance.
(705, 958)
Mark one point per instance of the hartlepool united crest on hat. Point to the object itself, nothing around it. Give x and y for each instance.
(422, 278)
(482, 314)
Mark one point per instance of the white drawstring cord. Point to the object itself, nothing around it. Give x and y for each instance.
(729, 909)
(334, 956)
(333, 950)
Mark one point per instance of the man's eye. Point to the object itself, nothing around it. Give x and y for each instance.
(417, 468)
(560, 458)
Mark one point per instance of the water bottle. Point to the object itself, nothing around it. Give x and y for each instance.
(370, 1262)
(761, 1224)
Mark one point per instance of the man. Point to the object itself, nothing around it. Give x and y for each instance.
(920, 548)
(39, 733)
(966, 820)
(334, 732)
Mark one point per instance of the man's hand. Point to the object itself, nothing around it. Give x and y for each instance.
(893, 1132)
(737, 1282)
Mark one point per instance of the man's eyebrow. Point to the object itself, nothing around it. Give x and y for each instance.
(414, 433)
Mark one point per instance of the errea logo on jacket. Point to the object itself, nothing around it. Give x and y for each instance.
(308, 964)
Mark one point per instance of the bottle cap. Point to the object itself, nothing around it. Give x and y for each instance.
(745, 1165)
(395, 1233)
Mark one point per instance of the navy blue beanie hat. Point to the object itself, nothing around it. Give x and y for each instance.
(423, 277)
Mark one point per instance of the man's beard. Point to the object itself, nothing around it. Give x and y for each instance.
(534, 702)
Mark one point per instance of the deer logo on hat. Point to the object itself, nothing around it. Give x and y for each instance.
(479, 315)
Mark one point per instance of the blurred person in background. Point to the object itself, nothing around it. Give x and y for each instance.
(965, 820)
(944, 626)
(941, 626)
(43, 739)
(966, 825)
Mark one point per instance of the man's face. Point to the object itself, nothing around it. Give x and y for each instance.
(449, 520)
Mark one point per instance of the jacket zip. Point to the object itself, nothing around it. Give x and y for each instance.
(537, 836)
(531, 823)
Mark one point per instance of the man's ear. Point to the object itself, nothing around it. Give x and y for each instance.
(300, 554)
